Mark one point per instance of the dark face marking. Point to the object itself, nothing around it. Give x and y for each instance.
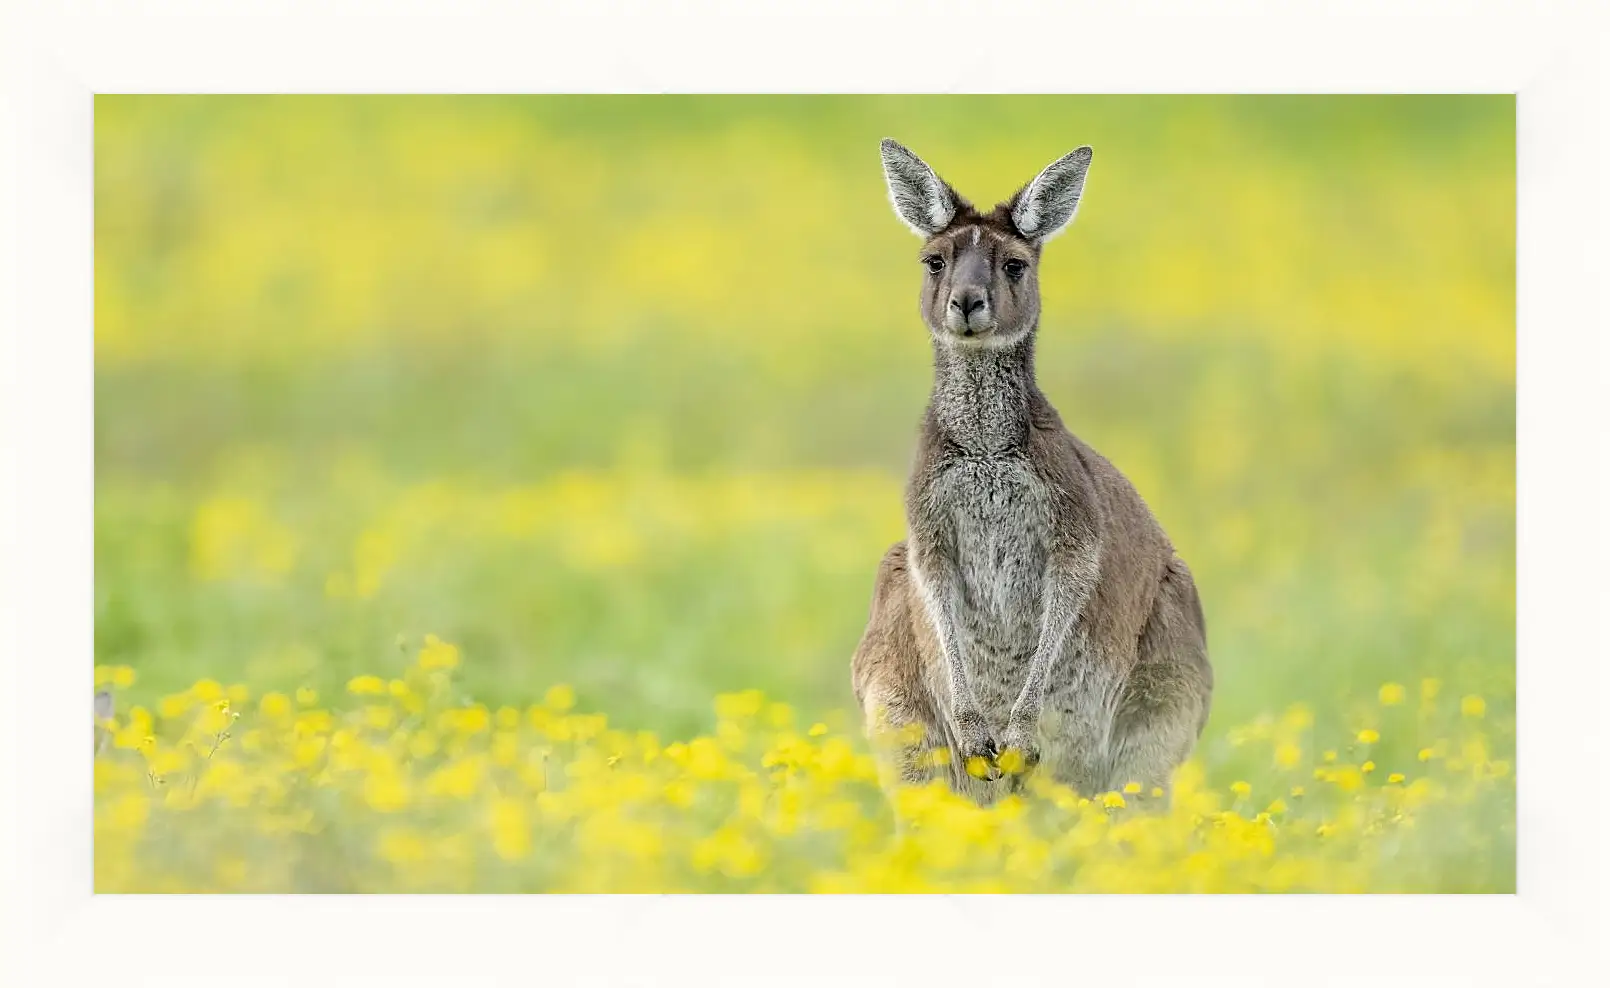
(980, 281)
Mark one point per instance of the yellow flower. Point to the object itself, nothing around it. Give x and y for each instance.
(739, 706)
(1278, 806)
(586, 727)
(214, 719)
(313, 722)
(1287, 754)
(1391, 694)
(307, 696)
(307, 751)
(1330, 756)
(122, 676)
(1349, 779)
(1131, 788)
(468, 720)
(1473, 706)
(1011, 761)
(459, 779)
(1368, 736)
(137, 733)
(274, 705)
(366, 685)
(511, 830)
(422, 744)
(130, 811)
(559, 698)
(817, 730)
(437, 654)
(386, 791)
(1241, 788)
(506, 749)
(1395, 778)
(729, 852)
(680, 793)
(1296, 791)
(1426, 754)
(1112, 800)
(1367, 768)
(164, 761)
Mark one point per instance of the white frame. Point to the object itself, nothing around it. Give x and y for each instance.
(58, 56)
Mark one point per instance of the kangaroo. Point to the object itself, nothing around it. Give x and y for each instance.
(1036, 618)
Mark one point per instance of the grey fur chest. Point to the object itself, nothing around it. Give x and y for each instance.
(997, 514)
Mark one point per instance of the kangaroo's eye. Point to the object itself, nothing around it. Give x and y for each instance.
(1015, 268)
(935, 263)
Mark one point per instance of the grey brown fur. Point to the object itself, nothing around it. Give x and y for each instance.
(1036, 605)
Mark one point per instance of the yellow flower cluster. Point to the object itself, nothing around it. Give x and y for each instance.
(401, 787)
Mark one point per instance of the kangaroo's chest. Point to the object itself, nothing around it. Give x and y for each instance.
(997, 513)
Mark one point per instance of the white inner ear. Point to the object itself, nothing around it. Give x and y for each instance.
(1056, 189)
(919, 197)
(940, 208)
(924, 193)
(1027, 215)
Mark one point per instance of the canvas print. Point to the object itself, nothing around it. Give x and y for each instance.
(804, 494)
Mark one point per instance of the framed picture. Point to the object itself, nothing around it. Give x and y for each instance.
(971, 490)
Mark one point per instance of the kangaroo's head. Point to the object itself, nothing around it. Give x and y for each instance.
(981, 283)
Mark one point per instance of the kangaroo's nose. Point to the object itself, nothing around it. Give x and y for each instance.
(967, 302)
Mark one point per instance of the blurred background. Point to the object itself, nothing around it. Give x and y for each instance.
(621, 391)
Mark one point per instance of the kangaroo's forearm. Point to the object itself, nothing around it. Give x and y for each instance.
(939, 585)
(1070, 582)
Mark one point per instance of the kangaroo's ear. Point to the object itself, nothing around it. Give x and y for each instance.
(921, 198)
(1045, 206)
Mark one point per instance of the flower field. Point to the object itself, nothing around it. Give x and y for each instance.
(399, 785)
(616, 396)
